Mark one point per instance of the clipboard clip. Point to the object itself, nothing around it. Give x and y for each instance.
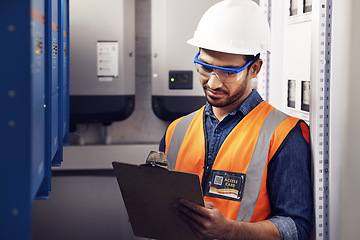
(156, 159)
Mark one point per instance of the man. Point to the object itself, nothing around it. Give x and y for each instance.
(253, 160)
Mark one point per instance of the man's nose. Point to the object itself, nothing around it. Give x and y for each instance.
(214, 81)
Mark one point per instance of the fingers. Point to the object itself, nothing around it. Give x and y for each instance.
(194, 207)
(201, 220)
(206, 222)
(190, 210)
(195, 227)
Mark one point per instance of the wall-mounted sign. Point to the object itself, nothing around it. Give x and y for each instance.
(107, 60)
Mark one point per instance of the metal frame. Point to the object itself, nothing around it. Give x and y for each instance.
(319, 113)
(264, 76)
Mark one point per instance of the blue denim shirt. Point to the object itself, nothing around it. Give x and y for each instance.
(288, 180)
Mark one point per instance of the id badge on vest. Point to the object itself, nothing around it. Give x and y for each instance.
(226, 185)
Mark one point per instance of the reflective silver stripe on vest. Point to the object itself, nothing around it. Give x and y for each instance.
(256, 168)
(175, 143)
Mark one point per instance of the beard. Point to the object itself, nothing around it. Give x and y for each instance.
(227, 100)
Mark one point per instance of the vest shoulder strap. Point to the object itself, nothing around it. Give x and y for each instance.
(178, 137)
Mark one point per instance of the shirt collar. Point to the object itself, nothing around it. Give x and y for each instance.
(245, 107)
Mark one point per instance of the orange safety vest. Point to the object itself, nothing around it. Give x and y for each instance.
(241, 162)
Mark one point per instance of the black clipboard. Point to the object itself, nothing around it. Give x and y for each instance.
(149, 193)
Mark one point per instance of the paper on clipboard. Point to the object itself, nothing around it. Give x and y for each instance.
(149, 194)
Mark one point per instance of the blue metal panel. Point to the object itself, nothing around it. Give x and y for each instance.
(42, 191)
(65, 52)
(22, 117)
(58, 107)
(55, 29)
(55, 42)
(53, 145)
(37, 90)
(45, 187)
(37, 131)
(54, 125)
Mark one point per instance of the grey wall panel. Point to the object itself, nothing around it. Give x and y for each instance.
(101, 20)
(142, 126)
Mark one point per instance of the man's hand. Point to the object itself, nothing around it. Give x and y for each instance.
(206, 222)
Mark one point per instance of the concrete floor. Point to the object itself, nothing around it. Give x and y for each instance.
(85, 201)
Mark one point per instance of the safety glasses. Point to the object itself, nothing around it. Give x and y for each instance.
(225, 75)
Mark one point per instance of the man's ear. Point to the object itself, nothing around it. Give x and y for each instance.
(255, 68)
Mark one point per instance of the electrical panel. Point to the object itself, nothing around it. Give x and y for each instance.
(305, 86)
(31, 123)
(102, 86)
(297, 58)
(176, 89)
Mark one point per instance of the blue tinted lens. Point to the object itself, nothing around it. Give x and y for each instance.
(236, 70)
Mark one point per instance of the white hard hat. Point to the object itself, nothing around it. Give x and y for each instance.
(233, 26)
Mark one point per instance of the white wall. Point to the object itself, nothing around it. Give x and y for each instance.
(277, 51)
(339, 111)
(351, 162)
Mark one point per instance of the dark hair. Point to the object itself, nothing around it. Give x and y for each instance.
(254, 58)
